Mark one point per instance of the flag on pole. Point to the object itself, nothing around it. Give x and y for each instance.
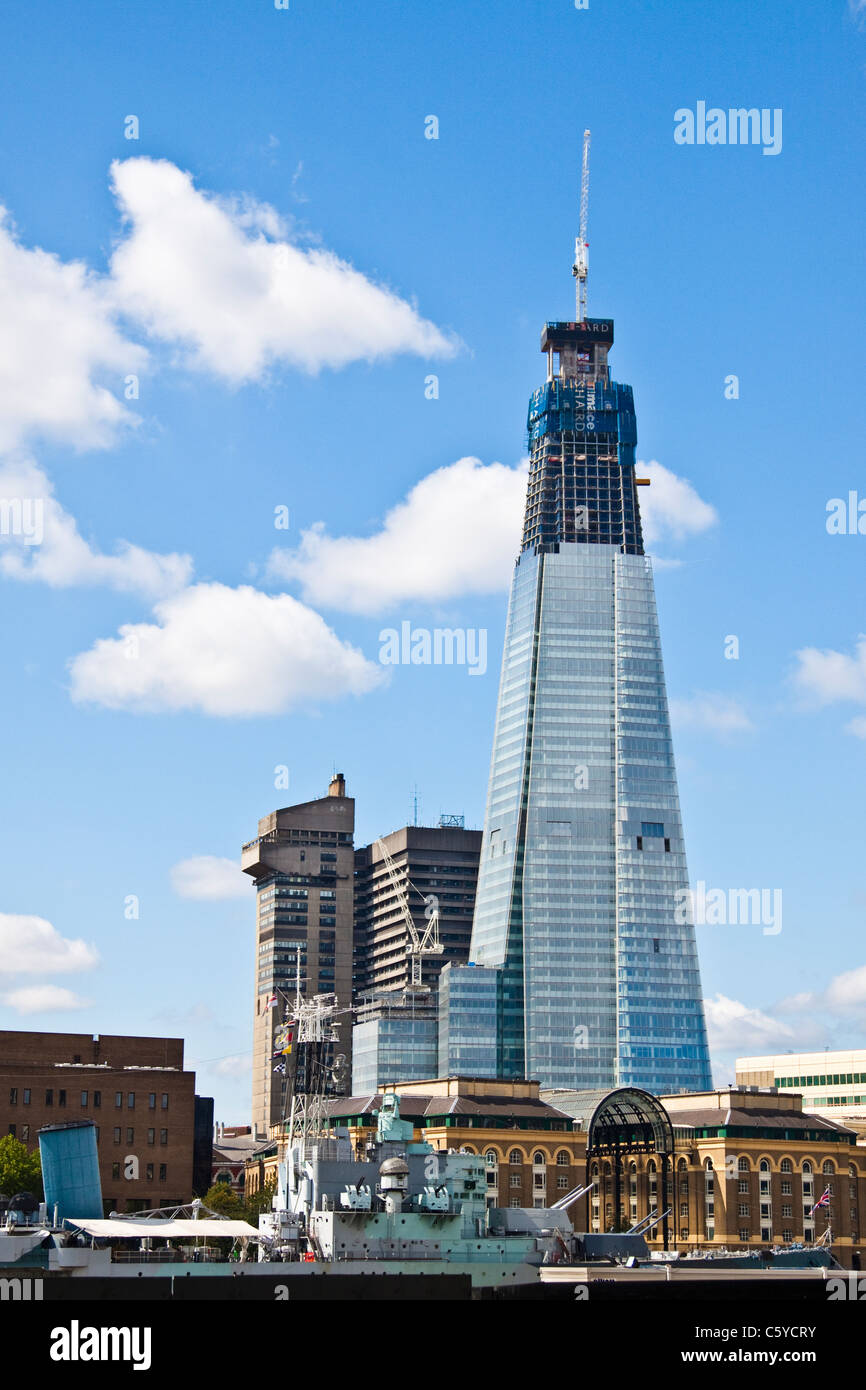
(823, 1201)
(272, 1002)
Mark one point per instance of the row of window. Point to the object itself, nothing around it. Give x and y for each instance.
(86, 1097)
(851, 1078)
(118, 1134)
(148, 1171)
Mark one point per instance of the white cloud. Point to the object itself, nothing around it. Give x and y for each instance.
(61, 557)
(221, 279)
(848, 990)
(224, 652)
(830, 676)
(719, 714)
(209, 879)
(62, 357)
(732, 1026)
(32, 946)
(457, 532)
(43, 999)
(240, 1065)
(670, 507)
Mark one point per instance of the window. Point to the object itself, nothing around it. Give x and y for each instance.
(118, 1100)
(148, 1172)
(515, 1202)
(787, 1235)
(639, 842)
(163, 1136)
(786, 1166)
(117, 1134)
(27, 1097)
(49, 1097)
(514, 1180)
(12, 1130)
(13, 1095)
(828, 1167)
(743, 1209)
(84, 1100)
(538, 1159)
(115, 1170)
(25, 1133)
(744, 1234)
(151, 1101)
(684, 1208)
(787, 1209)
(538, 1180)
(163, 1172)
(743, 1185)
(786, 1188)
(562, 1182)
(515, 1157)
(652, 828)
(61, 1097)
(130, 1136)
(151, 1136)
(97, 1100)
(130, 1100)
(562, 1159)
(742, 1165)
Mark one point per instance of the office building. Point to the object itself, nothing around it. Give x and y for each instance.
(831, 1083)
(302, 862)
(583, 854)
(433, 865)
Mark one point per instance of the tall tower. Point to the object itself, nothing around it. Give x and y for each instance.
(582, 854)
(302, 861)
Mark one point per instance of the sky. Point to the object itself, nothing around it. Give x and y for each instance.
(271, 289)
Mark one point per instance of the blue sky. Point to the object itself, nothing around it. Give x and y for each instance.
(283, 259)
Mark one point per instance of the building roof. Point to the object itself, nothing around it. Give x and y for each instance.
(754, 1118)
(421, 1106)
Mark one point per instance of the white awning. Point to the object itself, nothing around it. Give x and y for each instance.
(183, 1229)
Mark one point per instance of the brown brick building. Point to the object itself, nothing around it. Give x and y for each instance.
(136, 1092)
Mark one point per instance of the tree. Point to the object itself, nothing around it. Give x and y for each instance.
(259, 1201)
(20, 1171)
(221, 1199)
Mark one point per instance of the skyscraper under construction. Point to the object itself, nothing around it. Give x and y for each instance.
(592, 980)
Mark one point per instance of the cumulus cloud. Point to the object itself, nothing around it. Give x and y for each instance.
(223, 651)
(30, 945)
(717, 714)
(829, 676)
(43, 999)
(670, 508)
(457, 532)
(239, 1065)
(62, 356)
(209, 879)
(40, 543)
(223, 280)
(734, 1026)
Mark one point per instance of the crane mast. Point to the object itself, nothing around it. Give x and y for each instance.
(581, 246)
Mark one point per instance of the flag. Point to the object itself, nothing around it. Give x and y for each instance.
(272, 1002)
(823, 1201)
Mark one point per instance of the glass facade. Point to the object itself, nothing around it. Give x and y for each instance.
(583, 854)
(391, 1049)
(469, 1006)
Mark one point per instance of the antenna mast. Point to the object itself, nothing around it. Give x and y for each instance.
(581, 245)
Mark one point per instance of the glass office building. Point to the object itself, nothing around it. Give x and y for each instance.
(583, 854)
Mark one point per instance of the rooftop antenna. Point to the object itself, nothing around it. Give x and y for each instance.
(581, 245)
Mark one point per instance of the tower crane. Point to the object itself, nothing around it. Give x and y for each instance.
(419, 946)
(581, 245)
